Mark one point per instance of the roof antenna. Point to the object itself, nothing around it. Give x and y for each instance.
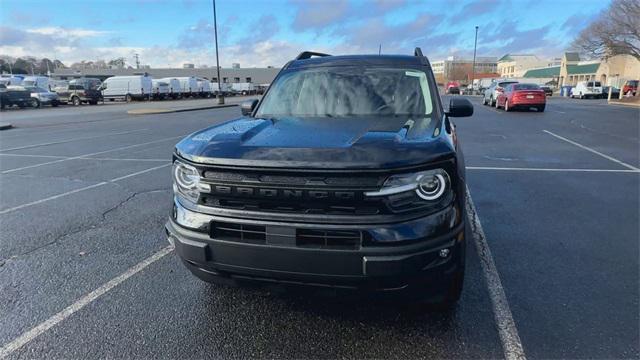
(380, 49)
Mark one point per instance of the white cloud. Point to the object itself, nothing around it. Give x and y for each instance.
(67, 32)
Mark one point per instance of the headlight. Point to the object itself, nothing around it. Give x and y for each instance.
(186, 181)
(429, 185)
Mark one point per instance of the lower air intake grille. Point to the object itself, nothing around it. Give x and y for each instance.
(289, 237)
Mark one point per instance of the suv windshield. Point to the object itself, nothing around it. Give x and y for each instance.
(348, 91)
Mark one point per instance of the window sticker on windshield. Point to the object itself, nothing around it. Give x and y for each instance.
(424, 86)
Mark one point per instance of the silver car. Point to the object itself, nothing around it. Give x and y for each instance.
(44, 96)
(491, 94)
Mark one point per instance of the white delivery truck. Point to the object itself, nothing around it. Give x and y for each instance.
(175, 90)
(37, 81)
(204, 87)
(189, 85)
(127, 88)
(243, 88)
(160, 89)
(226, 89)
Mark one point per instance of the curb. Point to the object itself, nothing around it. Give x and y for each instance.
(5, 126)
(168, 111)
(636, 105)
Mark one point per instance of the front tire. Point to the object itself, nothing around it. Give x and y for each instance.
(492, 102)
(497, 104)
(75, 101)
(35, 103)
(128, 98)
(506, 106)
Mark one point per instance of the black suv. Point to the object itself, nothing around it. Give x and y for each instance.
(347, 175)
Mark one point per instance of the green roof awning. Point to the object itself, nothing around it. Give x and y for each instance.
(505, 58)
(542, 73)
(582, 69)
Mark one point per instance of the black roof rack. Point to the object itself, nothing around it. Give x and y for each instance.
(417, 52)
(308, 54)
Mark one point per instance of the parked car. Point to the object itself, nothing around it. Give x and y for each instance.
(160, 89)
(615, 92)
(521, 96)
(491, 94)
(80, 91)
(43, 96)
(548, 91)
(16, 95)
(226, 89)
(587, 89)
(452, 87)
(37, 81)
(353, 206)
(631, 86)
(188, 85)
(175, 90)
(127, 88)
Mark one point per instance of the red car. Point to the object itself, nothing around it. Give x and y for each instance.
(523, 96)
(630, 86)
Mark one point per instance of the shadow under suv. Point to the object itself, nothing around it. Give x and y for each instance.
(347, 174)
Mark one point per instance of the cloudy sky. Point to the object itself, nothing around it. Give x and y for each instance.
(270, 32)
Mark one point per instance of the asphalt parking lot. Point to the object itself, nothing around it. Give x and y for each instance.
(86, 270)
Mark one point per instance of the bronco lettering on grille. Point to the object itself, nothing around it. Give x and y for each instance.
(286, 194)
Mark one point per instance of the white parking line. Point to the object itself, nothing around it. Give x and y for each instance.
(72, 140)
(592, 150)
(548, 169)
(91, 154)
(38, 330)
(511, 344)
(82, 158)
(5, 211)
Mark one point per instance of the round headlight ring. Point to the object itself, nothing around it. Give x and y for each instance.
(430, 192)
(186, 176)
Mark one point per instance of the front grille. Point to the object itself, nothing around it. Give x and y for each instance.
(293, 192)
(285, 236)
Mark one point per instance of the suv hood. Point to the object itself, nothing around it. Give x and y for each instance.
(320, 143)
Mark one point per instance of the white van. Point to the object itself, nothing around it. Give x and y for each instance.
(175, 90)
(7, 79)
(189, 85)
(37, 81)
(204, 87)
(127, 88)
(587, 89)
(226, 89)
(160, 89)
(243, 88)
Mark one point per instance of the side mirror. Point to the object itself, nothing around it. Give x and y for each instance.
(248, 106)
(460, 107)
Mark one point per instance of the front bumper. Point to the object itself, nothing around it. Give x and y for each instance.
(405, 267)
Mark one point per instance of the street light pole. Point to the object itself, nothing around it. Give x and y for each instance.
(473, 70)
(215, 32)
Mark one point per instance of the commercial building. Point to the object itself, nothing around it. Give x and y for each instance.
(613, 71)
(228, 75)
(455, 68)
(516, 65)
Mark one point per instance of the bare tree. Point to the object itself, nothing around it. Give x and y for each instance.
(615, 32)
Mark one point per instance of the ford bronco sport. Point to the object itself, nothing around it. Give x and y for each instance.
(347, 174)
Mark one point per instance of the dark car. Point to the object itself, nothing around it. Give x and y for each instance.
(346, 175)
(453, 90)
(548, 91)
(16, 95)
(615, 92)
(79, 91)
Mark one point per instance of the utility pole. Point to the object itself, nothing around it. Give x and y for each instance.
(137, 56)
(215, 34)
(473, 70)
(380, 49)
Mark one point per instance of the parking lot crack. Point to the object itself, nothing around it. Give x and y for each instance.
(129, 198)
